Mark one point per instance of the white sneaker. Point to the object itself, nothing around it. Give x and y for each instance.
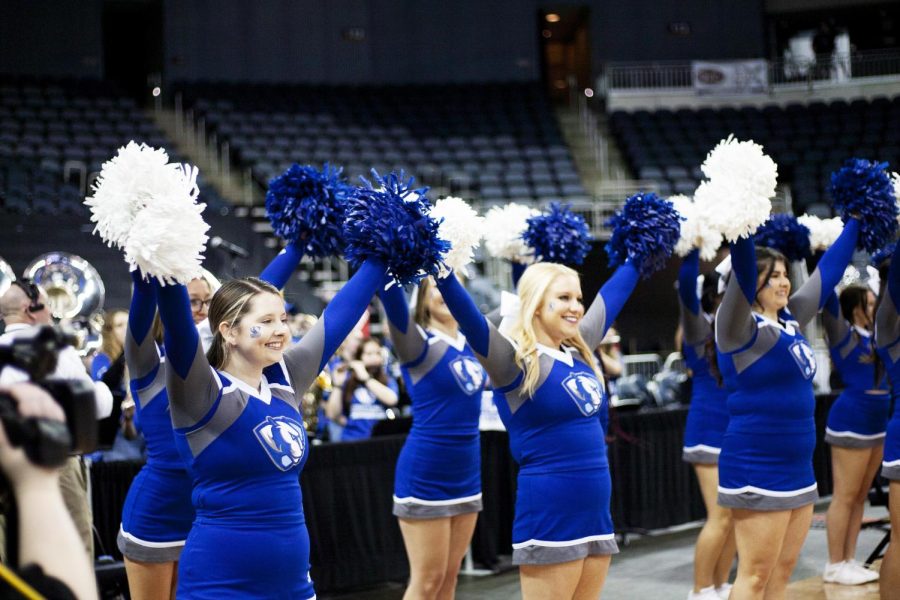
(831, 572)
(707, 593)
(863, 570)
(724, 591)
(847, 575)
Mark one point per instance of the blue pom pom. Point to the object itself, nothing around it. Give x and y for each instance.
(306, 207)
(558, 235)
(863, 188)
(784, 233)
(644, 231)
(389, 221)
(881, 255)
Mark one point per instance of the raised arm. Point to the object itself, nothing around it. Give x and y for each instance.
(887, 321)
(409, 343)
(140, 347)
(811, 297)
(278, 272)
(495, 352)
(693, 323)
(608, 304)
(307, 358)
(836, 327)
(193, 389)
(735, 325)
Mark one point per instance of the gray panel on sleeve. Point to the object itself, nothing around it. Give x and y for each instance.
(765, 340)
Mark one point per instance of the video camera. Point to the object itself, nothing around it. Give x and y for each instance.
(47, 442)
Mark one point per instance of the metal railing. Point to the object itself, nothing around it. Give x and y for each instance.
(806, 71)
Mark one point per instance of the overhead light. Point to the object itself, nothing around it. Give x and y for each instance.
(156, 91)
(552, 18)
(589, 92)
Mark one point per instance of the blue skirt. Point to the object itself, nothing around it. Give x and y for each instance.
(707, 421)
(858, 420)
(157, 515)
(890, 468)
(562, 517)
(438, 476)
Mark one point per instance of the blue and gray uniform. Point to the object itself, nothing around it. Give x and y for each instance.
(365, 412)
(887, 337)
(768, 367)
(439, 468)
(859, 416)
(158, 513)
(557, 435)
(708, 414)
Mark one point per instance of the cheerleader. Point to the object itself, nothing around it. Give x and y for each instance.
(158, 514)
(706, 422)
(437, 488)
(765, 467)
(855, 428)
(549, 392)
(887, 336)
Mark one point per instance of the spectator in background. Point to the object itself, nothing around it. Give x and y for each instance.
(108, 366)
(609, 355)
(823, 46)
(362, 392)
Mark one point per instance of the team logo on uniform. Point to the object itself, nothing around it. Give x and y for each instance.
(468, 373)
(804, 357)
(282, 438)
(585, 390)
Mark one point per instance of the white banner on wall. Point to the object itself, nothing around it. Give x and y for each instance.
(732, 77)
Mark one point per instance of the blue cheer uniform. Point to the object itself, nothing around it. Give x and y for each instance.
(556, 435)
(707, 416)
(768, 367)
(365, 411)
(887, 337)
(439, 468)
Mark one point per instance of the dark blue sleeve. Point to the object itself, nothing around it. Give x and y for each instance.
(393, 300)
(517, 270)
(833, 305)
(180, 336)
(278, 272)
(143, 307)
(743, 266)
(894, 276)
(616, 291)
(832, 264)
(473, 324)
(687, 281)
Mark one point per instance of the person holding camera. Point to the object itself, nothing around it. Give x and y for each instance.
(25, 308)
(54, 570)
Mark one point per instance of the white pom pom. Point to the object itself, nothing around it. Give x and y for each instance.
(728, 211)
(696, 230)
(895, 179)
(503, 229)
(744, 165)
(822, 232)
(462, 227)
(125, 185)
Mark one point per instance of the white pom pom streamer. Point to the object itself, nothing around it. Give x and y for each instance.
(696, 230)
(728, 211)
(462, 227)
(822, 232)
(503, 228)
(126, 184)
(895, 179)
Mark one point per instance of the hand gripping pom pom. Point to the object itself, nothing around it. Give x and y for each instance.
(822, 232)
(307, 207)
(645, 231)
(786, 234)
(390, 222)
(558, 235)
(863, 189)
(696, 231)
(462, 227)
(503, 229)
(881, 255)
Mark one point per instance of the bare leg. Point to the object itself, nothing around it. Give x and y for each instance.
(855, 524)
(890, 567)
(759, 535)
(151, 581)
(427, 544)
(558, 580)
(593, 576)
(797, 530)
(849, 469)
(714, 536)
(461, 529)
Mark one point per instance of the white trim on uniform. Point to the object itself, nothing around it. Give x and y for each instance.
(765, 492)
(549, 544)
(458, 344)
(148, 544)
(564, 355)
(413, 500)
(893, 463)
(263, 393)
(702, 448)
(859, 436)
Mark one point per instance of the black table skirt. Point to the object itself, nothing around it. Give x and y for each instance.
(347, 491)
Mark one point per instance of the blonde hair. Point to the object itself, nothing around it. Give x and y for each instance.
(229, 304)
(109, 343)
(421, 314)
(532, 287)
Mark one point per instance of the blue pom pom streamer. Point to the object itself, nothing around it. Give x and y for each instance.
(558, 235)
(882, 254)
(644, 231)
(306, 207)
(783, 232)
(863, 188)
(388, 220)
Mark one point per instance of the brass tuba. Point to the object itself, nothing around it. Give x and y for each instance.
(7, 276)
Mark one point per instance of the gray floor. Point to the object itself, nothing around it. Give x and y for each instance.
(657, 567)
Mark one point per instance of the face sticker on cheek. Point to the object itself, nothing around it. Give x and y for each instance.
(255, 331)
(552, 306)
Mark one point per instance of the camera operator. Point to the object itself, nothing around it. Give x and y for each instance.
(24, 307)
(49, 546)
